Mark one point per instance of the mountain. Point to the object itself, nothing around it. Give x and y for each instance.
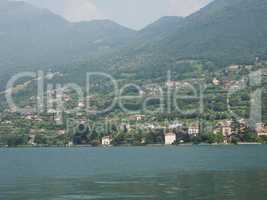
(162, 26)
(222, 33)
(225, 32)
(33, 38)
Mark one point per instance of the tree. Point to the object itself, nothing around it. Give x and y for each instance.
(196, 140)
(149, 138)
(13, 140)
(212, 138)
(235, 140)
(41, 139)
(219, 138)
(250, 137)
(119, 139)
(137, 137)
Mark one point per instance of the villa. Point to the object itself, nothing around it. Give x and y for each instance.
(170, 138)
(106, 140)
(193, 130)
(225, 128)
(261, 129)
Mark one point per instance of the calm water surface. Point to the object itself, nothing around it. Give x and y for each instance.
(186, 173)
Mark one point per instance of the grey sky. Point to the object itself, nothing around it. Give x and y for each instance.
(131, 13)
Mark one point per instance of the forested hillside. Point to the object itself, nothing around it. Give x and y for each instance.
(224, 32)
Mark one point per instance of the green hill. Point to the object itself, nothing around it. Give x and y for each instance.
(224, 32)
(33, 38)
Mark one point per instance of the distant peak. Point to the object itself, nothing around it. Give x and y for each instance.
(166, 18)
(100, 23)
(166, 21)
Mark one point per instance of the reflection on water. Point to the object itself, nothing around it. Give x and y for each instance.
(197, 185)
(174, 173)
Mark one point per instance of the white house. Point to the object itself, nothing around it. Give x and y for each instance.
(139, 117)
(61, 132)
(216, 82)
(233, 67)
(106, 140)
(175, 125)
(81, 105)
(171, 84)
(261, 130)
(193, 130)
(170, 138)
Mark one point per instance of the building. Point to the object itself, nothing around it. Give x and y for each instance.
(261, 130)
(259, 125)
(233, 67)
(193, 130)
(66, 97)
(175, 125)
(243, 125)
(140, 117)
(153, 90)
(216, 82)
(137, 117)
(171, 84)
(227, 128)
(70, 144)
(227, 84)
(150, 126)
(106, 140)
(224, 127)
(31, 139)
(248, 67)
(61, 132)
(170, 138)
(81, 105)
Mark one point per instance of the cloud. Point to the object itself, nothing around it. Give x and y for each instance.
(79, 10)
(185, 7)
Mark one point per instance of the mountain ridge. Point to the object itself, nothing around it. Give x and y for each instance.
(224, 32)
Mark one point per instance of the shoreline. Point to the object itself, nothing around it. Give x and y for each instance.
(111, 146)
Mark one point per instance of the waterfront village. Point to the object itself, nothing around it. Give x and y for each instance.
(214, 126)
(136, 132)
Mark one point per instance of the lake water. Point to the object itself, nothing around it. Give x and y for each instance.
(186, 173)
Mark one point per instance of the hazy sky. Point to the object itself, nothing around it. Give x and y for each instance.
(131, 13)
